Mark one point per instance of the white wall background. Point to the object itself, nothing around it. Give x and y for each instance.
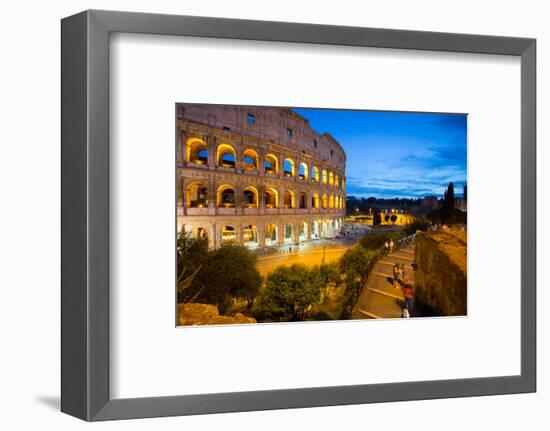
(29, 216)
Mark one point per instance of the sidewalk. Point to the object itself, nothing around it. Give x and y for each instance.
(379, 299)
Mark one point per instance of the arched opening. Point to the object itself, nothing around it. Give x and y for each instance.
(315, 174)
(197, 151)
(303, 231)
(336, 180)
(331, 178)
(271, 234)
(271, 164)
(250, 197)
(226, 197)
(324, 229)
(315, 200)
(250, 236)
(228, 235)
(324, 202)
(331, 201)
(303, 201)
(288, 230)
(271, 198)
(289, 199)
(250, 159)
(226, 156)
(288, 168)
(324, 177)
(315, 229)
(199, 233)
(302, 171)
(196, 196)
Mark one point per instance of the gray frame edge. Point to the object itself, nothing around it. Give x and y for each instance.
(85, 215)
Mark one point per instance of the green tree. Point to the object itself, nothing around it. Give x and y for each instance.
(191, 255)
(354, 266)
(329, 272)
(448, 207)
(289, 291)
(228, 272)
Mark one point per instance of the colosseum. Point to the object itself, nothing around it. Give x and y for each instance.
(256, 176)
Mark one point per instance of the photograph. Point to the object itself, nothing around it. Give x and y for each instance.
(291, 214)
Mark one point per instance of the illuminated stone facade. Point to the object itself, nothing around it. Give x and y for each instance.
(256, 176)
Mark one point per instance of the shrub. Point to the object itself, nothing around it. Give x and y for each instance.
(354, 266)
(228, 272)
(289, 291)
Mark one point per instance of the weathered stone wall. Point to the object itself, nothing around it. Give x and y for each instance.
(241, 179)
(441, 276)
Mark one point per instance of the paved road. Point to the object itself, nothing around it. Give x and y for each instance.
(310, 257)
(379, 298)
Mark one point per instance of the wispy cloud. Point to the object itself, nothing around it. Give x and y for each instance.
(396, 154)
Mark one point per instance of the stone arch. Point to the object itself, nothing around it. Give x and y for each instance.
(271, 164)
(302, 201)
(288, 233)
(271, 234)
(302, 171)
(226, 196)
(289, 199)
(250, 236)
(315, 203)
(303, 233)
(315, 174)
(196, 151)
(250, 197)
(271, 198)
(199, 232)
(226, 156)
(289, 168)
(324, 202)
(315, 231)
(331, 178)
(196, 195)
(250, 159)
(331, 201)
(228, 235)
(324, 176)
(336, 180)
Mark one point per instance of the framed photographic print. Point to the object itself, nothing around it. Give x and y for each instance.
(263, 215)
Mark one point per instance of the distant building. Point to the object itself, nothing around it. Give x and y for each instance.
(429, 203)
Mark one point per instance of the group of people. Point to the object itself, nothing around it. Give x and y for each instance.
(400, 277)
(388, 246)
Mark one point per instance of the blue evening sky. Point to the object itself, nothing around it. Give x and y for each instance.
(397, 154)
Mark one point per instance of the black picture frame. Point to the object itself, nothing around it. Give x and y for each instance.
(85, 214)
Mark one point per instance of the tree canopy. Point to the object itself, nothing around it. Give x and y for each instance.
(226, 273)
(289, 291)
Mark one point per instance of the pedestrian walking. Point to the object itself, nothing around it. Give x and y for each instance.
(396, 275)
(386, 246)
(409, 300)
(391, 246)
(404, 274)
